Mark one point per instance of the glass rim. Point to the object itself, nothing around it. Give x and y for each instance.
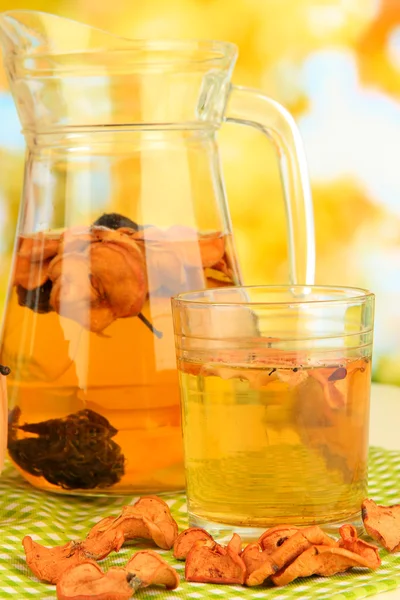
(198, 297)
(212, 51)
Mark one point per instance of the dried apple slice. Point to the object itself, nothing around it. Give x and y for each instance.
(151, 569)
(186, 539)
(319, 560)
(155, 509)
(98, 282)
(253, 557)
(235, 544)
(208, 562)
(288, 551)
(333, 396)
(88, 582)
(149, 518)
(98, 544)
(48, 564)
(274, 537)
(350, 541)
(382, 523)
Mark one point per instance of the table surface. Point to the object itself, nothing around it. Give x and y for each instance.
(384, 431)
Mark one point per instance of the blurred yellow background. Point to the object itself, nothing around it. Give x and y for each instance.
(335, 65)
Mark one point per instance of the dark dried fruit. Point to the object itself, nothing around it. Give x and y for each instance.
(338, 374)
(75, 452)
(4, 370)
(37, 299)
(115, 221)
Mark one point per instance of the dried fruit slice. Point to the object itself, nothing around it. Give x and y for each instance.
(382, 523)
(319, 560)
(350, 541)
(48, 564)
(149, 518)
(33, 259)
(187, 539)
(208, 562)
(99, 543)
(99, 276)
(151, 569)
(159, 513)
(235, 544)
(88, 582)
(288, 551)
(333, 396)
(253, 557)
(274, 537)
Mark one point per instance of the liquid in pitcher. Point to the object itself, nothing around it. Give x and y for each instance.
(275, 442)
(94, 397)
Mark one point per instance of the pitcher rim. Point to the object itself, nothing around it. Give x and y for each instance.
(220, 51)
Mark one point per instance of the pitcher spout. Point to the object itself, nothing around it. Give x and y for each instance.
(66, 74)
(27, 32)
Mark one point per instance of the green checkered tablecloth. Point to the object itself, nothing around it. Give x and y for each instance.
(53, 520)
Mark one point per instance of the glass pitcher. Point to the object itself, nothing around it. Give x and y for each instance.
(123, 206)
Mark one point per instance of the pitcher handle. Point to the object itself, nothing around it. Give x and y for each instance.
(250, 107)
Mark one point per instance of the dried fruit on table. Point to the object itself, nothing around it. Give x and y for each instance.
(382, 523)
(164, 527)
(235, 544)
(288, 551)
(274, 537)
(98, 544)
(320, 560)
(151, 569)
(208, 562)
(253, 557)
(149, 518)
(350, 541)
(87, 581)
(48, 564)
(186, 539)
(74, 452)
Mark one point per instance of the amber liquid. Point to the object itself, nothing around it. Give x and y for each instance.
(272, 445)
(126, 373)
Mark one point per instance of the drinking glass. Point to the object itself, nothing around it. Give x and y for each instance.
(275, 386)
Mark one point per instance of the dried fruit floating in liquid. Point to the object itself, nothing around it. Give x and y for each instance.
(75, 452)
(382, 523)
